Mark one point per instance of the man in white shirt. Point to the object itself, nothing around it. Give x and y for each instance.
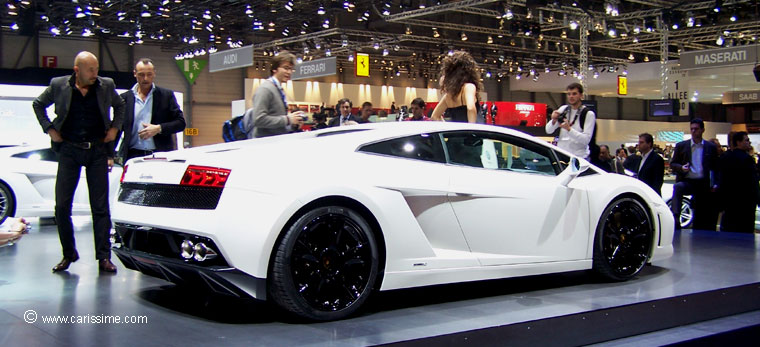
(573, 136)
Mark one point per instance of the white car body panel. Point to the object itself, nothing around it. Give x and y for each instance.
(438, 221)
(33, 183)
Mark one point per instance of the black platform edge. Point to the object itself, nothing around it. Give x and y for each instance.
(607, 324)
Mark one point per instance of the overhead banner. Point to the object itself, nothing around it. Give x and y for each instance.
(678, 88)
(745, 97)
(362, 65)
(622, 85)
(731, 56)
(230, 59)
(315, 68)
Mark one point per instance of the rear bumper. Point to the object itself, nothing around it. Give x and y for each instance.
(217, 279)
(157, 252)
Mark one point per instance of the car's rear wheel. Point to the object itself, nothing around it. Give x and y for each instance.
(687, 214)
(623, 240)
(7, 202)
(325, 266)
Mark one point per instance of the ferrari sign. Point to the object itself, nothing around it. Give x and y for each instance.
(362, 65)
(622, 87)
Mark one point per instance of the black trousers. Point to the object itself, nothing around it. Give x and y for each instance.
(703, 207)
(70, 163)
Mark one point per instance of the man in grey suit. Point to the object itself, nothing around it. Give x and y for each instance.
(269, 115)
(83, 134)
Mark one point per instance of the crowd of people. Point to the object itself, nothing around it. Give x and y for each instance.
(723, 183)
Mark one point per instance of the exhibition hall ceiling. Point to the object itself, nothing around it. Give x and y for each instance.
(531, 38)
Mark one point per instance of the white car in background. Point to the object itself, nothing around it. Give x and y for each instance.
(318, 221)
(27, 183)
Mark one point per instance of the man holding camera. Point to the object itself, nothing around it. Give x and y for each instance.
(269, 114)
(576, 123)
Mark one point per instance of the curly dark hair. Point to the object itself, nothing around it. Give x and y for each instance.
(458, 69)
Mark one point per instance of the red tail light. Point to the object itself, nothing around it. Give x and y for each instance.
(205, 176)
(123, 172)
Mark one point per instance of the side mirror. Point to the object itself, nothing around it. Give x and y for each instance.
(572, 171)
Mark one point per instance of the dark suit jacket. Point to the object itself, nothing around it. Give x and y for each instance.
(738, 179)
(59, 93)
(335, 121)
(652, 172)
(682, 155)
(165, 112)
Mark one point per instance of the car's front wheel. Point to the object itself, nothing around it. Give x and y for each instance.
(7, 202)
(623, 240)
(325, 266)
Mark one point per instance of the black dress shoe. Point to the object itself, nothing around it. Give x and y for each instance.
(65, 262)
(105, 265)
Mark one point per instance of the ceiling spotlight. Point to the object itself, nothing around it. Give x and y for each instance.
(690, 20)
(490, 39)
(321, 10)
(573, 25)
(564, 34)
(408, 30)
(535, 78)
(248, 10)
(289, 5)
(625, 72)
(212, 49)
(350, 57)
(734, 16)
(488, 74)
(14, 26)
(518, 76)
(326, 24)
(436, 34)
(596, 74)
(646, 58)
(508, 13)
(376, 45)
(718, 5)
(611, 30)
(719, 40)
(547, 70)
(328, 52)
(387, 8)
(463, 36)
(631, 57)
(385, 52)
(145, 11)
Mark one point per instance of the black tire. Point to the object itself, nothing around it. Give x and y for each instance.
(7, 202)
(623, 240)
(325, 266)
(687, 213)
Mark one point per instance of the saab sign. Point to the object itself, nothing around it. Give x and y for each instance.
(315, 68)
(732, 56)
(230, 59)
(745, 97)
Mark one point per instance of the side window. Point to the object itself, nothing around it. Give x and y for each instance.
(500, 152)
(42, 154)
(426, 147)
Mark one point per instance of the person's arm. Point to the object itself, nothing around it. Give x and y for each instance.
(471, 100)
(675, 162)
(176, 118)
(584, 137)
(40, 105)
(118, 120)
(659, 173)
(439, 109)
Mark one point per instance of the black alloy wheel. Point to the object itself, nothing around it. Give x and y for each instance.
(7, 202)
(325, 266)
(623, 240)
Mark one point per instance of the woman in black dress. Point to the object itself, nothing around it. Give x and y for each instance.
(460, 84)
